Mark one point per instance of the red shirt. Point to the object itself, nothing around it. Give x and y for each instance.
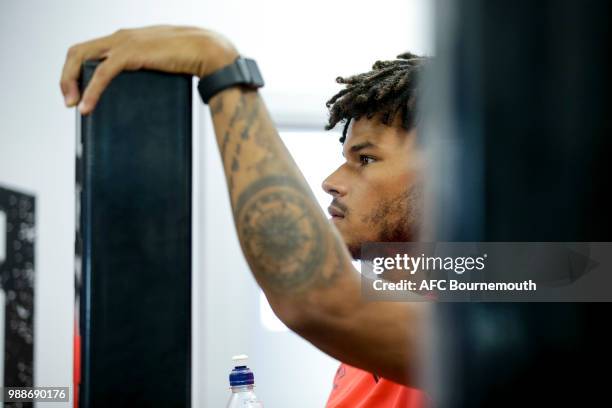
(355, 388)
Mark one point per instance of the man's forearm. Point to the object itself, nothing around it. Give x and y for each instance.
(292, 249)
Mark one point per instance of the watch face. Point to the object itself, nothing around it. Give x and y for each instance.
(253, 75)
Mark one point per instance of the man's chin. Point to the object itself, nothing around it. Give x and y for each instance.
(354, 247)
(354, 250)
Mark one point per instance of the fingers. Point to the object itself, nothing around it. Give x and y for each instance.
(70, 75)
(95, 49)
(102, 76)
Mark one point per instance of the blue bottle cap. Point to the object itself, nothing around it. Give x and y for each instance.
(241, 374)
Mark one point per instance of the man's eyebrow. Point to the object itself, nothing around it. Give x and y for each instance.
(360, 146)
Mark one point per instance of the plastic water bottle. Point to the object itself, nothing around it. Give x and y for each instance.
(242, 383)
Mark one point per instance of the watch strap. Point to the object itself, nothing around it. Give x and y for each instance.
(243, 71)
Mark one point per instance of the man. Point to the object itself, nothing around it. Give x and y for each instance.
(297, 256)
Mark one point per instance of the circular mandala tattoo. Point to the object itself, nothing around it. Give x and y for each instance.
(281, 236)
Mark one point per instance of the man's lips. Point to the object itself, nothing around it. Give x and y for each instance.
(335, 212)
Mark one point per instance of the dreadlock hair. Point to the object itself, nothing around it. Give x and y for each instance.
(389, 89)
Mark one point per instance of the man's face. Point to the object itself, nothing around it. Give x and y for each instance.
(377, 192)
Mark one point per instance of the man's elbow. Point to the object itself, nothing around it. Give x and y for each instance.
(292, 315)
(308, 316)
(294, 312)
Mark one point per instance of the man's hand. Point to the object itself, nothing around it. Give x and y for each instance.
(181, 50)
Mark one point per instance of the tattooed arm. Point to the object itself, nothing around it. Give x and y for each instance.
(295, 254)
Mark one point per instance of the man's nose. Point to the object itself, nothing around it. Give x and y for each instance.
(334, 184)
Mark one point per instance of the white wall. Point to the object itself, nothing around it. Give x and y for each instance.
(300, 46)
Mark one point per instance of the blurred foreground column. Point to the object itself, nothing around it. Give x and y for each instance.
(520, 132)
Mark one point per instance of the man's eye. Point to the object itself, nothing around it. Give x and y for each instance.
(365, 160)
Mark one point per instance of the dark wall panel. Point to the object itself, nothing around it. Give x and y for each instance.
(17, 272)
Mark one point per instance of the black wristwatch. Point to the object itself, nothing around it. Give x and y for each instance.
(243, 71)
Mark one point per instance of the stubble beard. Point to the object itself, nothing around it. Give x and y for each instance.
(395, 219)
